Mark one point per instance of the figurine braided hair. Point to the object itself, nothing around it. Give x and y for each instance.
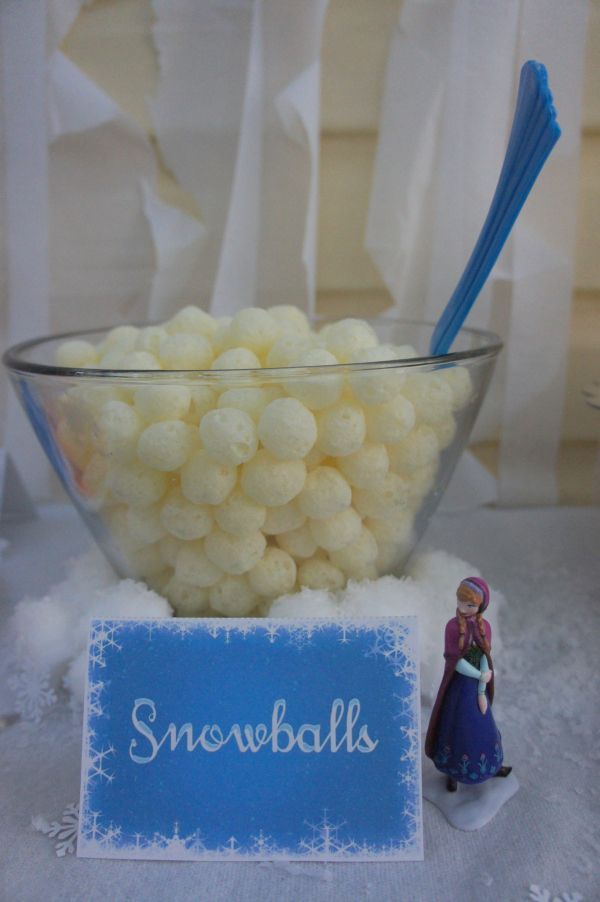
(478, 618)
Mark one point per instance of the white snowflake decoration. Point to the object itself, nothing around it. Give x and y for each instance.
(325, 840)
(102, 638)
(540, 894)
(63, 831)
(33, 694)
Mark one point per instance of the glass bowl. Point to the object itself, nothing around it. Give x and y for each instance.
(208, 534)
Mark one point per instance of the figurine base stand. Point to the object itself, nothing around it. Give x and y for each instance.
(470, 807)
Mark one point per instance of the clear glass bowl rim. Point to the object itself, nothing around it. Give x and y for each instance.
(15, 360)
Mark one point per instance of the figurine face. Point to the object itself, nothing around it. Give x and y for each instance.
(469, 600)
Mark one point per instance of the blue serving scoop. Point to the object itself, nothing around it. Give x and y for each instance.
(534, 133)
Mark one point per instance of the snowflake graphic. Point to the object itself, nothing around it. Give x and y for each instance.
(96, 762)
(95, 689)
(346, 631)
(325, 840)
(264, 845)
(232, 848)
(272, 632)
(301, 633)
(395, 643)
(102, 638)
(63, 831)
(539, 894)
(33, 694)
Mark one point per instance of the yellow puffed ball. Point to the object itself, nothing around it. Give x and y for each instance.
(430, 395)
(192, 320)
(377, 385)
(229, 435)
(445, 430)
(325, 493)
(274, 574)
(183, 351)
(253, 328)
(420, 483)
(183, 519)
(418, 449)
(297, 542)
(149, 339)
(290, 319)
(270, 481)
(287, 429)
(390, 422)
(234, 554)
(349, 337)
(320, 390)
(187, 600)
(162, 402)
(203, 400)
(168, 549)
(251, 400)
(284, 518)
(320, 574)
(337, 531)
(166, 445)
(365, 467)
(205, 481)
(240, 515)
(194, 567)
(383, 501)
(461, 385)
(341, 429)
(233, 596)
(220, 337)
(137, 360)
(122, 337)
(117, 429)
(236, 359)
(287, 348)
(77, 353)
(144, 525)
(396, 530)
(136, 484)
(356, 558)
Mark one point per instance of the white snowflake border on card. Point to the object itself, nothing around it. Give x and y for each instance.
(395, 642)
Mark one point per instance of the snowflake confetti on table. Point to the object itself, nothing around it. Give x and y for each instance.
(63, 831)
(539, 894)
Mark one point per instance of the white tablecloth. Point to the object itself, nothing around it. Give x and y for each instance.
(547, 564)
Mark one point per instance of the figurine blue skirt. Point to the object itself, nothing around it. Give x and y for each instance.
(468, 744)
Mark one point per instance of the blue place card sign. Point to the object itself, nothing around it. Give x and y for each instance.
(252, 739)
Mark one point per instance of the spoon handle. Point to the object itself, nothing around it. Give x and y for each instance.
(534, 133)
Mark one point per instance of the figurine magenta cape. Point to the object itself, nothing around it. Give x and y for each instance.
(462, 739)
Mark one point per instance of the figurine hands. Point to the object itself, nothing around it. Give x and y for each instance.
(482, 702)
(485, 677)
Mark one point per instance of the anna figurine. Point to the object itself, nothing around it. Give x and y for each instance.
(462, 739)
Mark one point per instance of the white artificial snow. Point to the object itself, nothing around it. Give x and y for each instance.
(469, 807)
(49, 634)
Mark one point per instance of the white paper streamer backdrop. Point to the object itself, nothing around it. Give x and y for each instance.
(238, 125)
(236, 122)
(447, 109)
(24, 158)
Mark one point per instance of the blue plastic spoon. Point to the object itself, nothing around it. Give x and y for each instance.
(534, 133)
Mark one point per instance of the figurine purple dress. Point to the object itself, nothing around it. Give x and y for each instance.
(462, 739)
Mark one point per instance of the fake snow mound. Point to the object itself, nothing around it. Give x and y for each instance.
(49, 634)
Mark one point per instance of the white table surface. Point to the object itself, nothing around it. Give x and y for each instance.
(547, 564)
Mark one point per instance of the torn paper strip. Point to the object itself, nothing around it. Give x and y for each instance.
(177, 239)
